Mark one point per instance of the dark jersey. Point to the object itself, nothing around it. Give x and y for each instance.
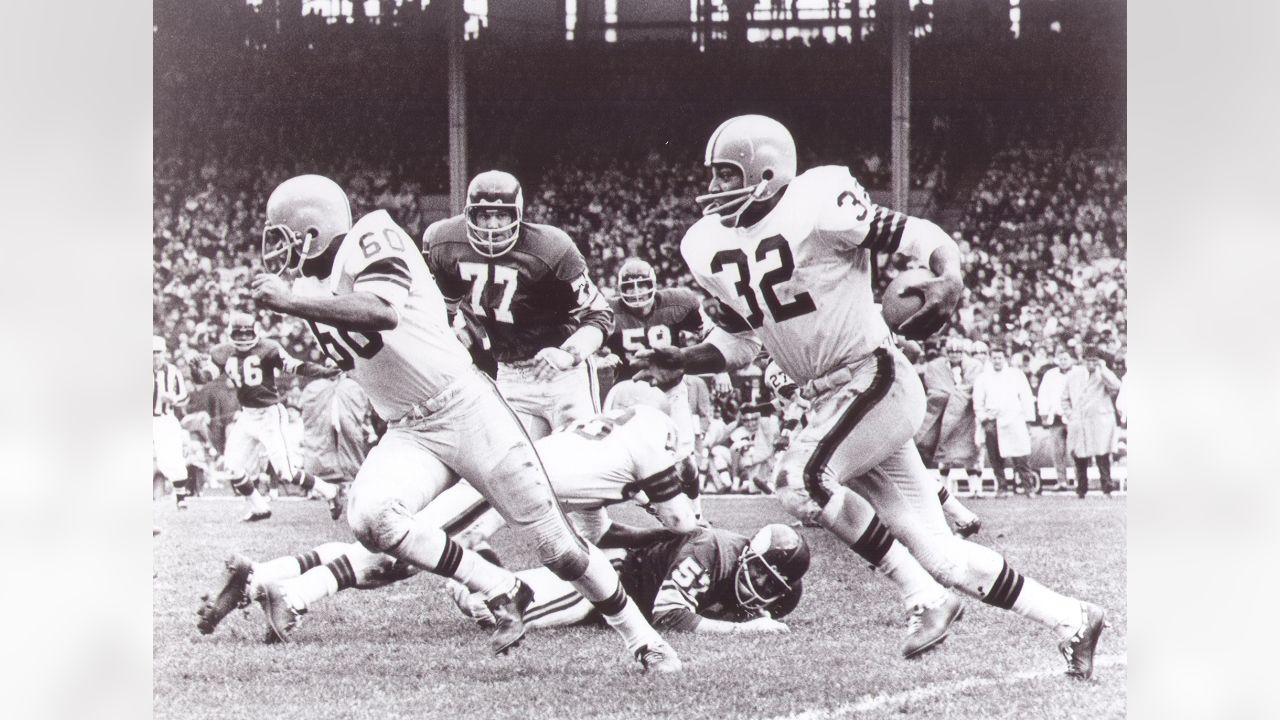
(534, 296)
(253, 372)
(675, 581)
(675, 311)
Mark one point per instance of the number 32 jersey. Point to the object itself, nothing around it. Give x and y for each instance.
(801, 276)
(420, 357)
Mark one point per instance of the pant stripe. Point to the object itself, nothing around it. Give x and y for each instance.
(858, 409)
(464, 520)
(288, 464)
(563, 602)
(593, 385)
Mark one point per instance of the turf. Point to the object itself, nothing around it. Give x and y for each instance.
(404, 651)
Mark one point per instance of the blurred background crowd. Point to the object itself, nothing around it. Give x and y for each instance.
(1018, 150)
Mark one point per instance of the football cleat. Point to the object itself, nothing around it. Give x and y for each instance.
(1078, 649)
(508, 615)
(182, 503)
(970, 528)
(659, 657)
(929, 626)
(256, 516)
(234, 594)
(282, 617)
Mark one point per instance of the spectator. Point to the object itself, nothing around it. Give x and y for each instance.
(1003, 404)
(946, 436)
(1091, 419)
(1052, 414)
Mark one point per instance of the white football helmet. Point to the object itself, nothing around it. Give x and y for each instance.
(762, 148)
(304, 215)
(242, 331)
(630, 393)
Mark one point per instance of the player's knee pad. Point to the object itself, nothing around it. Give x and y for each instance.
(379, 524)
(560, 549)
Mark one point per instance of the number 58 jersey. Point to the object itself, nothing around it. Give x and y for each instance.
(410, 364)
(800, 277)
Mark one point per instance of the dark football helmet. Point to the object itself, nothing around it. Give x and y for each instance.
(637, 283)
(242, 331)
(489, 190)
(770, 566)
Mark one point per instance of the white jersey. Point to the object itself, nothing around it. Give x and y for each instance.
(800, 278)
(407, 366)
(612, 457)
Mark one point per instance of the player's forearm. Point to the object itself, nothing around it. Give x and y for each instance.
(583, 342)
(703, 358)
(358, 311)
(314, 370)
(628, 537)
(944, 261)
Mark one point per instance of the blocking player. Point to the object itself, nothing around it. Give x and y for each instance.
(526, 284)
(168, 391)
(646, 317)
(627, 453)
(788, 258)
(714, 581)
(371, 304)
(253, 363)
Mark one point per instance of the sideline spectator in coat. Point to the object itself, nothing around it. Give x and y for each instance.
(1003, 404)
(1091, 418)
(946, 437)
(1052, 416)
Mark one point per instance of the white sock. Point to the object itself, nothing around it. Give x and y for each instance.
(915, 585)
(310, 587)
(1058, 612)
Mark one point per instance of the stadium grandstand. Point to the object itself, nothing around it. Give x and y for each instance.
(1013, 138)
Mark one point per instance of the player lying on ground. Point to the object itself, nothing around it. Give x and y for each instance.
(714, 581)
(374, 308)
(627, 453)
(787, 260)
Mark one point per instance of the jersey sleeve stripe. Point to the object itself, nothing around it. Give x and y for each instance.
(382, 277)
(899, 225)
(873, 235)
(661, 486)
(391, 266)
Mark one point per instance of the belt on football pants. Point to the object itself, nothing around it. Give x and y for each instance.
(841, 376)
(423, 410)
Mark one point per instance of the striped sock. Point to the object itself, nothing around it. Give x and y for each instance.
(242, 485)
(1034, 601)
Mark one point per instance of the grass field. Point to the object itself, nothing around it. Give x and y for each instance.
(404, 651)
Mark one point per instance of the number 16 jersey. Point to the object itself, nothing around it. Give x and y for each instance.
(800, 277)
(406, 366)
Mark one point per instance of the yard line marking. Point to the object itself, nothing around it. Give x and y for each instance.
(878, 701)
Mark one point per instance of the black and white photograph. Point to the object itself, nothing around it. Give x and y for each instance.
(631, 359)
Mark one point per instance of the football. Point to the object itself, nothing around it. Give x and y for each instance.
(896, 307)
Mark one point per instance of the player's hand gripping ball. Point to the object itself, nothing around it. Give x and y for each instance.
(918, 303)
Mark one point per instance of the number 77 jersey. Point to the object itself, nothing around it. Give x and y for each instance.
(800, 277)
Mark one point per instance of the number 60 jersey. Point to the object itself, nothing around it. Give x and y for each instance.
(800, 277)
(412, 363)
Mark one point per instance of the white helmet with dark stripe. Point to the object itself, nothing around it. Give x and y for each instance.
(304, 215)
(763, 150)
